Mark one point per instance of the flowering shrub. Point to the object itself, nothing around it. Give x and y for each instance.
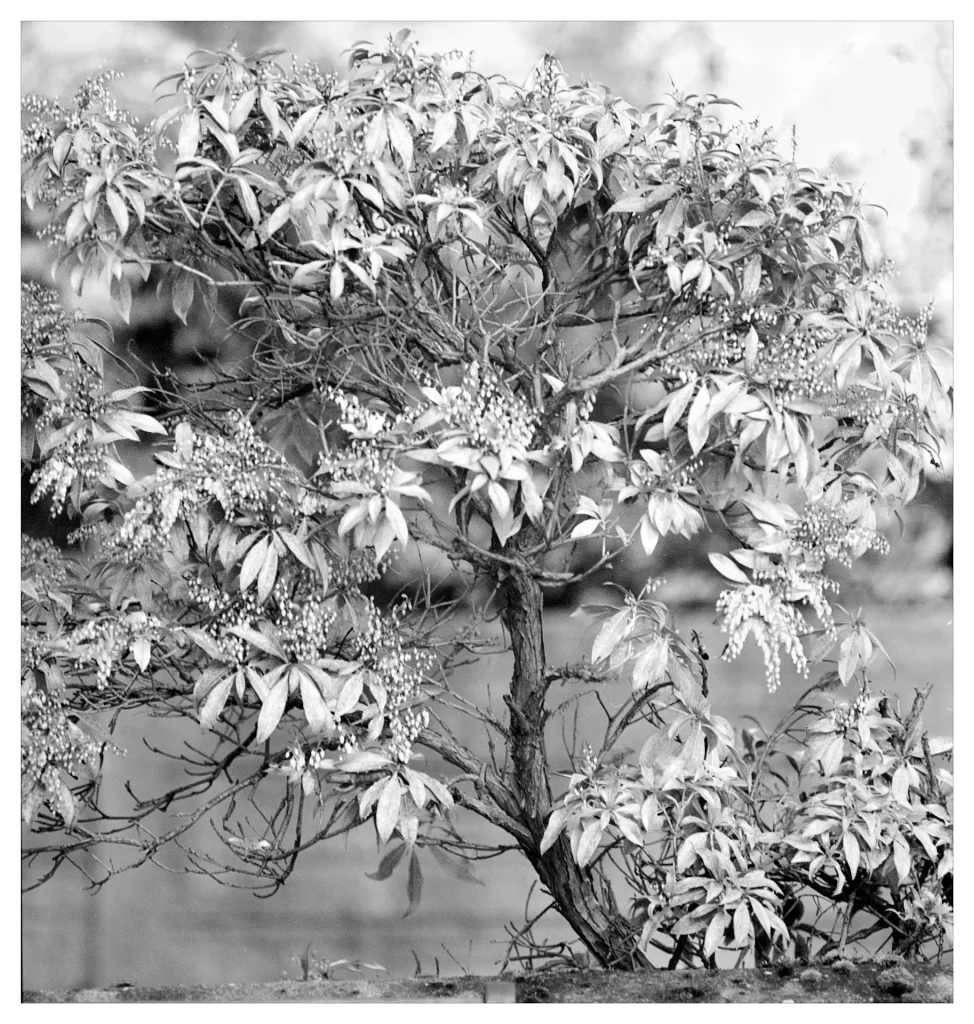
(441, 272)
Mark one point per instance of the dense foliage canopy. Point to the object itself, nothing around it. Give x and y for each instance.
(488, 323)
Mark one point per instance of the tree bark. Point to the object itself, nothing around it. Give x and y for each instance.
(609, 937)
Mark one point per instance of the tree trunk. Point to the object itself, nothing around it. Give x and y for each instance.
(609, 937)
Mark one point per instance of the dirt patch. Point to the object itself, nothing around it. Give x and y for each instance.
(845, 982)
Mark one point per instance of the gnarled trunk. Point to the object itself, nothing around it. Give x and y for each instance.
(608, 936)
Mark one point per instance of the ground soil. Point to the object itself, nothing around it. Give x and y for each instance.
(845, 982)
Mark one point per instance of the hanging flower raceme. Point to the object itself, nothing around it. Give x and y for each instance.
(775, 623)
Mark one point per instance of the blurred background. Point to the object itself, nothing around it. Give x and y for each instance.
(871, 100)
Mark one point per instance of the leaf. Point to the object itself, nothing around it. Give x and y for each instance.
(556, 823)
(742, 925)
(189, 137)
(121, 293)
(459, 867)
(850, 653)
(267, 574)
(364, 761)
(678, 402)
(850, 849)
(628, 828)
(444, 130)
(832, 757)
(397, 520)
(414, 884)
(533, 194)
(303, 124)
(349, 694)
(751, 281)
(715, 932)
(641, 204)
(610, 634)
(297, 548)
(698, 422)
(215, 701)
(901, 859)
(754, 219)
(260, 641)
(387, 809)
(762, 185)
(241, 110)
(671, 219)
(272, 710)
(119, 210)
(727, 568)
(589, 842)
(317, 714)
(183, 289)
(253, 562)
(337, 281)
(142, 652)
(651, 663)
(248, 200)
(634, 202)
(900, 785)
(388, 864)
(872, 253)
(401, 140)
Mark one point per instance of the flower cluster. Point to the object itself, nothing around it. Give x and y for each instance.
(406, 725)
(42, 563)
(486, 431)
(363, 479)
(489, 416)
(775, 623)
(795, 582)
(237, 469)
(304, 626)
(843, 531)
(400, 672)
(75, 463)
(104, 640)
(846, 716)
(54, 750)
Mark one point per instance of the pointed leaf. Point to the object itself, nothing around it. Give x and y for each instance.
(698, 422)
(459, 867)
(253, 563)
(268, 573)
(727, 568)
(388, 864)
(414, 884)
(674, 410)
(610, 634)
(364, 761)
(589, 842)
(318, 716)
(556, 823)
(349, 694)
(215, 701)
(387, 809)
(272, 710)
